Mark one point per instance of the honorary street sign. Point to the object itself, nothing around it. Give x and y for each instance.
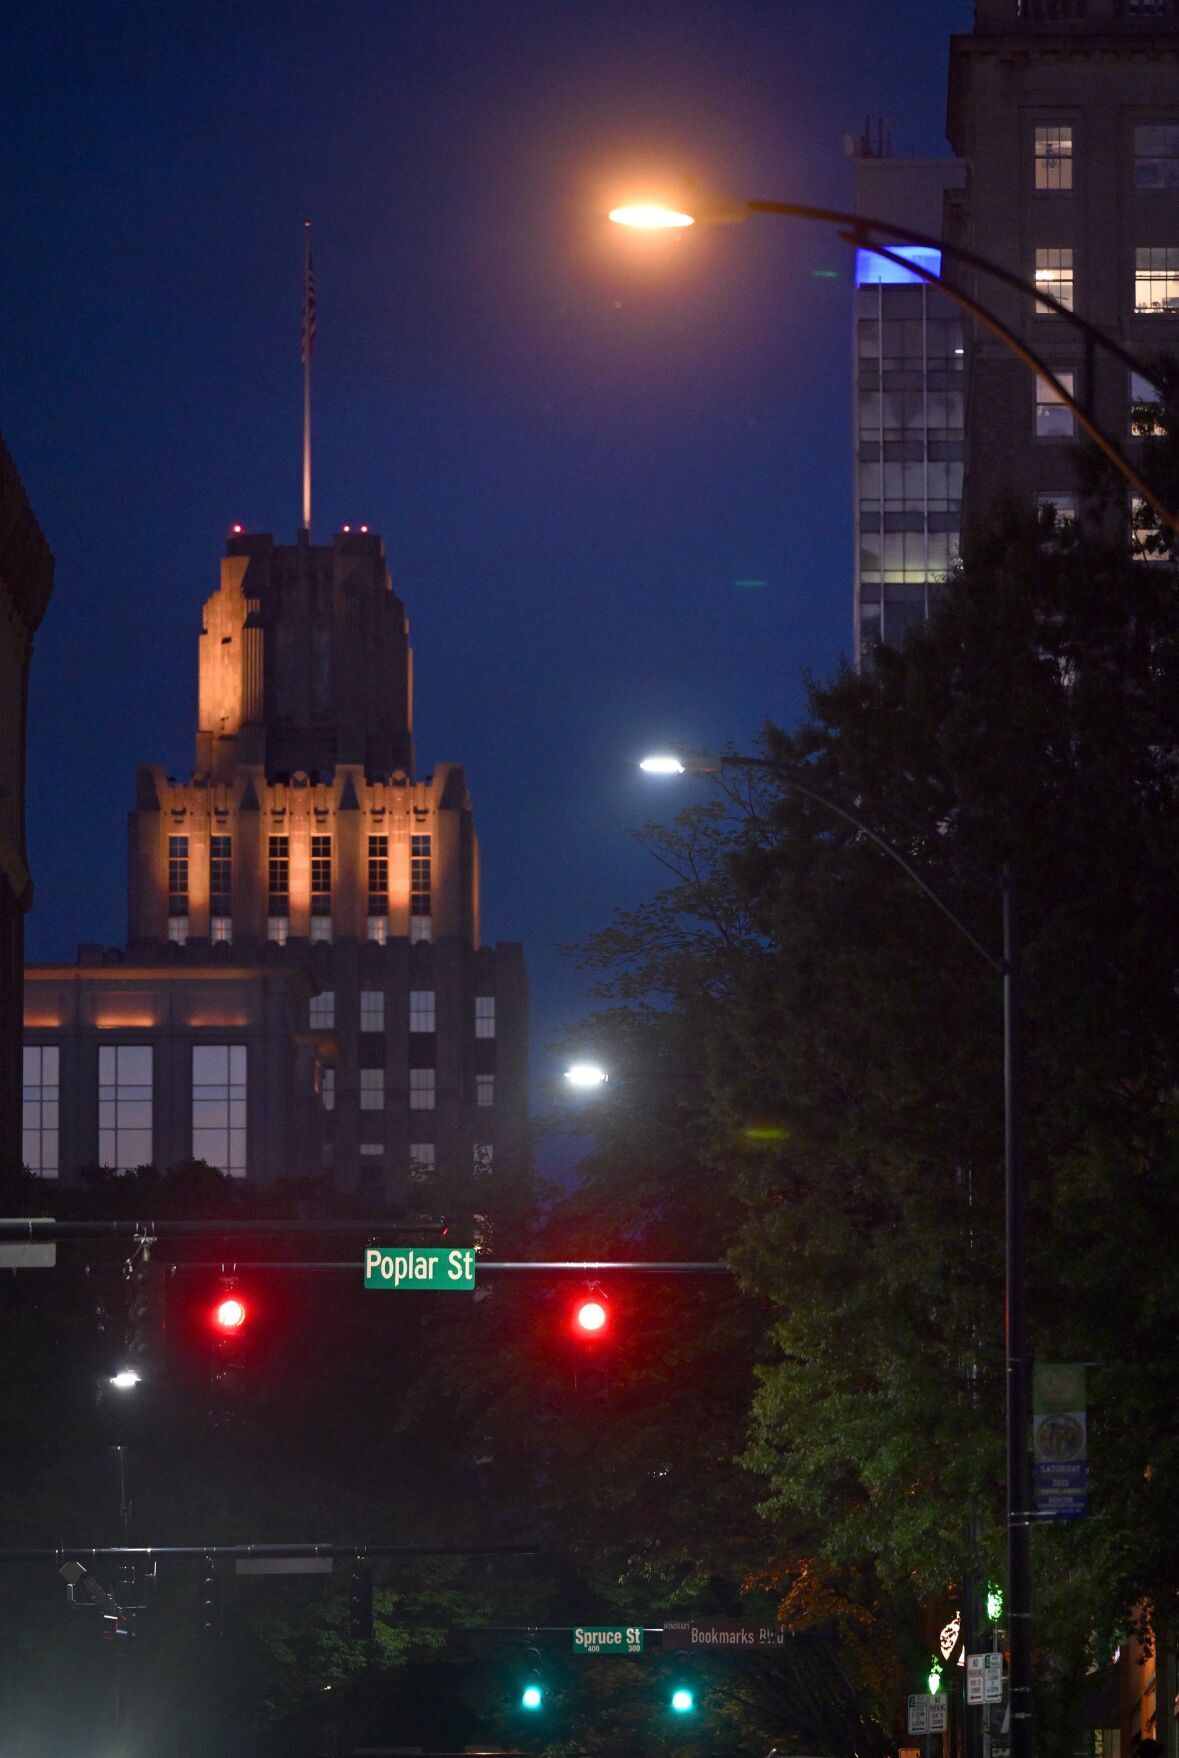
(723, 1636)
(426, 1268)
(609, 1639)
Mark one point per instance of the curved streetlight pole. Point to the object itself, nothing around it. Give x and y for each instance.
(1007, 966)
(865, 233)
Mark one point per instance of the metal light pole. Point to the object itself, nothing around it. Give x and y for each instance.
(1007, 966)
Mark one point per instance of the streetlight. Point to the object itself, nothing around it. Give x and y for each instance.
(1006, 966)
(865, 233)
(125, 1379)
(586, 1076)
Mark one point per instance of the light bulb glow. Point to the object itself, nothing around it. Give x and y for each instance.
(934, 1681)
(660, 763)
(125, 1379)
(585, 1075)
(230, 1313)
(651, 216)
(682, 1701)
(531, 1697)
(591, 1316)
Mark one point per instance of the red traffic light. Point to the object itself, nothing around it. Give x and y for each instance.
(229, 1314)
(590, 1318)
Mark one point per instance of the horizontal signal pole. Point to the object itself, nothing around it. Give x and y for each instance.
(485, 1267)
(63, 1553)
(36, 1228)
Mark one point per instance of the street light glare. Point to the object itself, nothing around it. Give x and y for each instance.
(125, 1379)
(651, 216)
(586, 1074)
(658, 764)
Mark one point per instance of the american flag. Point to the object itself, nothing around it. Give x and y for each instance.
(309, 312)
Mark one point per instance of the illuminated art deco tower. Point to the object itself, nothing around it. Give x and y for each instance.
(304, 988)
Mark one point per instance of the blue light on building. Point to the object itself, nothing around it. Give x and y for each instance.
(878, 271)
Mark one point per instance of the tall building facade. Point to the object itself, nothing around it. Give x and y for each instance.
(907, 402)
(1065, 114)
(303, 987)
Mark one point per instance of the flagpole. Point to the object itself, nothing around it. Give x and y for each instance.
(308, 342)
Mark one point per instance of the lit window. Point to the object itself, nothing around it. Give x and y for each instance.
(178, 875)
(378, 877)
(1054, 418)
(481, 1158)
(321, 1010)
(421, 1089)
(1054, 156)
(1156, 279)
(124, 1105)
(219, 1106)
(372, 1010)
(372, 1089)
(371, 1150)
(1145, 407)
(279, 878)
(419, 876)
(421, 1160)
(221, 930)
(321, 877)
(321, 928)
(485, 1016)
(1147, 541)
(221, 877)
(1156, 155)
(40, 1095)
(421, 1010)
(378, 930)
(1054, 276)
(327, 1088)
(1064, 506)
(419, 929)
(178, 930)
(485, 1089)
(276, 929)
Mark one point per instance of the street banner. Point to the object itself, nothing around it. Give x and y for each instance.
(1060, 1444)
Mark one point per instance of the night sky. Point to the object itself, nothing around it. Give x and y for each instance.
(579, 445)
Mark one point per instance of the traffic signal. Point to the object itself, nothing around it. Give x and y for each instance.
(210, 1601)
(228, 1319)
(683, 1700)
(360, 1603)
(532, 1692)
(589, 1323)
(591, 1316)
(144, 1309)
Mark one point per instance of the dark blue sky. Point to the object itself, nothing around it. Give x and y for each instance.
(575, 443)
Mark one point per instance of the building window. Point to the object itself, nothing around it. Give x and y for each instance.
(327, 1088)
(1054, 276)
(421, 1160)
(219, 1106)
(321, 876)
(221, 877)
(378, 876)
(1156, 279)
(485, 1016)
(421, 1010)
(1156, 155)
(277, 928)
(421, 1089)
(221, 930)
(321, 928)
(124, 1105)
(279, 879)
(372, 1010)
(1054, 418)
(378, 930)
(321, 1011)
(1064, 506)
(40, 1094)
(481, 1158)
(1145, 408)
(178, 875)
(419, 876)
(1147, 540)
(485, 1089)
(371, 1150)
(420, 928)
(178, 930)
(372, 1089)
(1054, 156)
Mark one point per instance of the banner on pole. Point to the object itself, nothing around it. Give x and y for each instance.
(1060, 1441)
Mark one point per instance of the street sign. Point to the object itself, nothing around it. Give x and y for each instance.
(723, 1635)
(919, 1713)
(937, 1714)
(609, 1639)
(428, 1269)
(992, 1678)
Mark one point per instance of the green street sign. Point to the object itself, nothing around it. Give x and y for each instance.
(429, 1268)
(612, 1639)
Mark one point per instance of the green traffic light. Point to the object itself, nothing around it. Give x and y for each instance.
(994, 1604)
(682, 1701)
(531, 1697)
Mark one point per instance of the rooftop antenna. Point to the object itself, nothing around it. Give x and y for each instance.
(308, 349)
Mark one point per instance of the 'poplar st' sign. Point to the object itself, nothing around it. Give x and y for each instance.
(424, 1269)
